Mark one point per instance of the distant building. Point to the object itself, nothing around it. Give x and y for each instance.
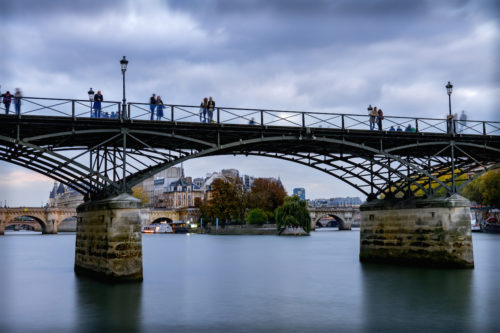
(180, 194)
(336, 202)
(169, 189)
(300, 192)
(63, 196)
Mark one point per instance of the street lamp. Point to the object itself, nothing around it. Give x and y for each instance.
(124, 63)
(91, 99)
(449, 89)
(369, 108)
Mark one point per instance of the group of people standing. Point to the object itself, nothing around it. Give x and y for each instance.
(376, 117)
(156, 104)
(7, 99)
(207, 108)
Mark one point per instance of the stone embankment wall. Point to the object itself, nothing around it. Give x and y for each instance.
(109, 239)
(244, 229)
(423, 232)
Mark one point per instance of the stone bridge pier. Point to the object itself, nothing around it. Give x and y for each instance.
(417, 232)
(109, 239)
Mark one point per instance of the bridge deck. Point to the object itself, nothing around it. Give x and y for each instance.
(59, 133)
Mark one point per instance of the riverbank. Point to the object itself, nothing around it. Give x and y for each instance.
(241, 229)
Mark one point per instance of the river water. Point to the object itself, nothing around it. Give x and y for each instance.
(206, 283)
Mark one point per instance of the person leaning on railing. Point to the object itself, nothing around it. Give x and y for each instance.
(7, 99)
(152, 105)
(98, 98)
(450, 124)
(210, 109)
(17, 100)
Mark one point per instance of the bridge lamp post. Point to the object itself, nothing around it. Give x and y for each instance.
(449, 90)
(124, 63)
(91, 99)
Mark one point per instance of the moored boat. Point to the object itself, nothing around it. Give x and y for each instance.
(157, 228)
(491, 225)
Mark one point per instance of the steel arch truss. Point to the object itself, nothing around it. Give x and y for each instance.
(111, 160)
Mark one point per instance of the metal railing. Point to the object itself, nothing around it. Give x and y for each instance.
(75, 108)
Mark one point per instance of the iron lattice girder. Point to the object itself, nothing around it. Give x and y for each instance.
(360, 158)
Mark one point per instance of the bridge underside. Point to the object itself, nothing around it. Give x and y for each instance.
(95, 156)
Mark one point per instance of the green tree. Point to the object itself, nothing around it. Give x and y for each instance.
(293, 213)
(228, 200)
(256, 216)
(491, 191)
(474, 190)
(139, 193)
(267, 194)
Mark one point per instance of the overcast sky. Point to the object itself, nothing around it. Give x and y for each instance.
(311, 55)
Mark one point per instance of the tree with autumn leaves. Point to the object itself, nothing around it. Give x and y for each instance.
(230, 202)
(484, 189)
(266, 194)
(227, 202)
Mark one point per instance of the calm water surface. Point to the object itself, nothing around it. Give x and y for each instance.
(203, 283)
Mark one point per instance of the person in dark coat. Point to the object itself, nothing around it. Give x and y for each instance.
(7, 99)
(210, 109)
(152, 105)
(97, 104)
(380, 117)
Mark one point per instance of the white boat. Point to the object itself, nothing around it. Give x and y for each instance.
(157, 228)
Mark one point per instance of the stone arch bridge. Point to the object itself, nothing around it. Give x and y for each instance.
(50, 219)
(344, 214)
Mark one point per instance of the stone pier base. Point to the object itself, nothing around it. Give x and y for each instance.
(108, 239)
(345, 225)
(418, 232)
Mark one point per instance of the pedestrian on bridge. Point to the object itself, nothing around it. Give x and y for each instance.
(210, 109)
(380, 117)
(17, 100)
(159, 108)
(203, 110)
(373, 117)
(450, 124)
(463, 121)
(97, 104)
(152, 105)
(7, 99)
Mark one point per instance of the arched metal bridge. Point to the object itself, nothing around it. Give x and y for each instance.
(99, 157)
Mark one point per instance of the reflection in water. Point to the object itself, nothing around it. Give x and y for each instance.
(416, 299)
(203, 283)
(103, 307)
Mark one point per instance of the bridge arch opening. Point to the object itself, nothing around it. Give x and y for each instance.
(67, 225)
(162, 220)
(328, 221)
(25, 222)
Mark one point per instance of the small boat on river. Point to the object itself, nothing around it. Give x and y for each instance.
(491, 225)
(157, 228)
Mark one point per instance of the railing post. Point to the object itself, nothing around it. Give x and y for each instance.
(343, 122)
(416, 124)
(128, 111)
(218, 115)
(261, 118)
(484, 128)
(73, 109)
(303, 119)
(171, 113)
